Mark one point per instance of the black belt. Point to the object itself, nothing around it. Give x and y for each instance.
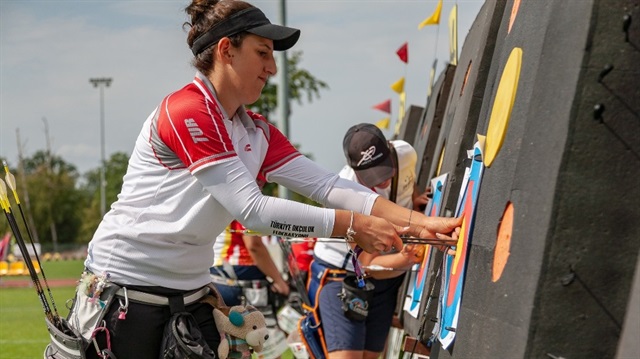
(336, 273)
(155, 299)
(332, 271)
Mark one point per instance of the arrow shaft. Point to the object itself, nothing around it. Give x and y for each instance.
(27, 259)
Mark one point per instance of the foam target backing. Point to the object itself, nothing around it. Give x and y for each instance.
(570, 165)
(430, 125)
(460, 101)
(464, 105)
(409, 124)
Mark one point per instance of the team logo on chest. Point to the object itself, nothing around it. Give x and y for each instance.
(196, 133)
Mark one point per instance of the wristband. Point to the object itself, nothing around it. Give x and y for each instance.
(350, 231)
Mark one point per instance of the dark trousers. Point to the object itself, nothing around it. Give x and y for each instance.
(139, 336)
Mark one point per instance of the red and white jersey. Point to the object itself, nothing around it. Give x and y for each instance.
(163, 212)
(230, 247)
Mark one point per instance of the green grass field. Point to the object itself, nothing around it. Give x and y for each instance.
(23, 333)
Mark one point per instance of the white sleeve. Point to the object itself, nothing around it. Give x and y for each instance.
(310, 180)
(234, 188)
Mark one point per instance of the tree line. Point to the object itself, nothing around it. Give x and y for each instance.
(62, 206)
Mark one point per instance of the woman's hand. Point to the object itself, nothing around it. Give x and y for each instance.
(280, 287)
(421, 200)
(376, 235)
(447, 249)
(435, 227)
(413, 253)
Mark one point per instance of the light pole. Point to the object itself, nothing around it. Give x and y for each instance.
(101, 83)
(283, 91)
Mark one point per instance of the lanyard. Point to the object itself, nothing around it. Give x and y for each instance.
(357, 268)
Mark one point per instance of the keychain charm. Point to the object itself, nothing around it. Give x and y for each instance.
(124, 307)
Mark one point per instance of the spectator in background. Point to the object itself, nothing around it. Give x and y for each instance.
(242, 266)
(389, 169)
(303, 253)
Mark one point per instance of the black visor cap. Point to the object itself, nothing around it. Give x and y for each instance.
(251, 20)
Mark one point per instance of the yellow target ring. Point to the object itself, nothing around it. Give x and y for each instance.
(502, 106)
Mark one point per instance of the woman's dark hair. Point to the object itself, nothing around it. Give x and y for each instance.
(204, 15)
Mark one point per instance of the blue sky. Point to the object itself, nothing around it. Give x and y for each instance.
(49, 49)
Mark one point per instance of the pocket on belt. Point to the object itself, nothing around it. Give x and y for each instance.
(183, 339)
(87, 312)
(309, 334)
(355, 300)
(90, 305)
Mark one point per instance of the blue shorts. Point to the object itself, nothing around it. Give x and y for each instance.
(340, 333)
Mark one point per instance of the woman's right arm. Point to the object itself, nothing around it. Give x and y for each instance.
(231, 185)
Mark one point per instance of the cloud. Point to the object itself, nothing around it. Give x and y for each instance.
(49, 50)
(46, 66)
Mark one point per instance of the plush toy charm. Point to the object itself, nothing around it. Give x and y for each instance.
(242, 330)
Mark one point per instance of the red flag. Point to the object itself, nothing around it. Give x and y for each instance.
(384, 106)
(403, 53)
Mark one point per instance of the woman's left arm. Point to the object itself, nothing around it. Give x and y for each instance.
(306, 177)
(416, 223)
(402, 261)
(309, 179)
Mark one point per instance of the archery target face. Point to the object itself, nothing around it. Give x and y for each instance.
(503, 243)
(514, 14)
(502, 106)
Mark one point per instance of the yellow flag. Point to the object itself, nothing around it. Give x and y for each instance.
(384, 123)
(434, 19)
(398, 86)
